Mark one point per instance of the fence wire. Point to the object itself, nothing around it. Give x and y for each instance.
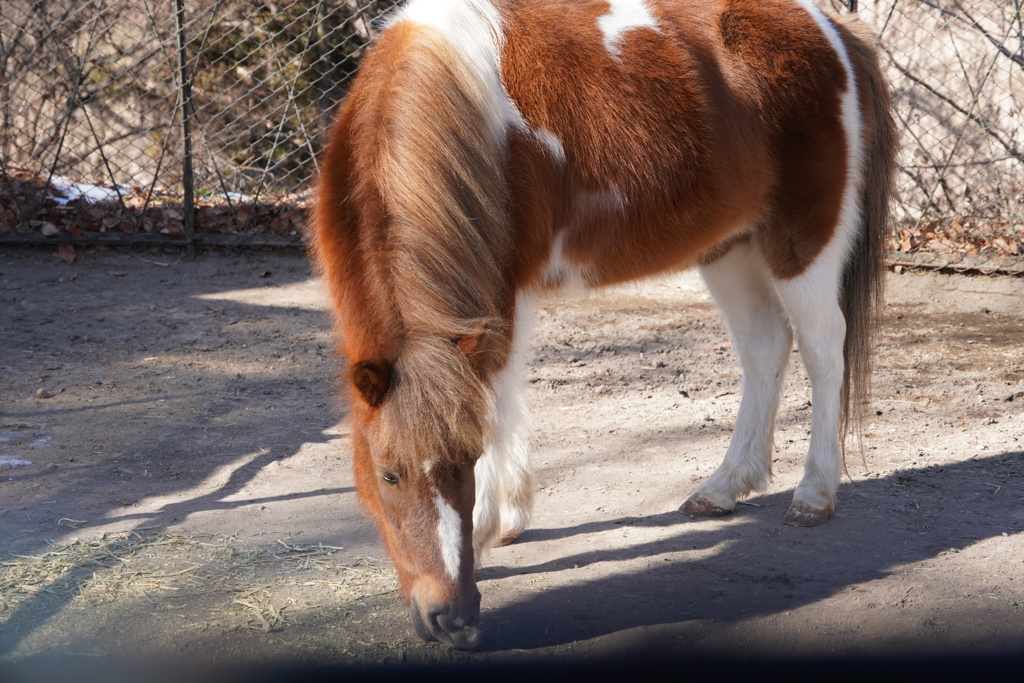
(956, 69)
(175, 120)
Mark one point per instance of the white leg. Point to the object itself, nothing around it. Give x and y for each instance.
(812, 302)
(504, 479)
(742, 287)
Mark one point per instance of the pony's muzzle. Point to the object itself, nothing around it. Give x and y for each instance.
(454, 625)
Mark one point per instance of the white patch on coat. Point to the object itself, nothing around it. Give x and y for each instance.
(473, 28)
(449, 534)
(589, 208)
(853, 128)
(560, 273)
(551, 143)
(623, 16)
(611, 202)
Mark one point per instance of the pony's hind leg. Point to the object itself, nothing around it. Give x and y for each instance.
(742, 287)
(812, 303)
(504, 478)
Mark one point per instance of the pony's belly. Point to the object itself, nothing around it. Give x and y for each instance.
(607, 253)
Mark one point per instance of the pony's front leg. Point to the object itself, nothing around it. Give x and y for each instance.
(504, 479)
(741, 286)
(504, 494)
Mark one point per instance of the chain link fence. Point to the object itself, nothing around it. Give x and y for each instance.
(957, 73)
(169, 120)
(180, 121)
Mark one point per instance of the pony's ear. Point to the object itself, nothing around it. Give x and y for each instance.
(474, 341)
(372, 379)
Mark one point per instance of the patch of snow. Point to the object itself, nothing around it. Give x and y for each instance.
(8, 461)
(73, 190)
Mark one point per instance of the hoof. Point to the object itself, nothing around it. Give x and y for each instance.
(802, 514)
(508, 537)
(698, 506)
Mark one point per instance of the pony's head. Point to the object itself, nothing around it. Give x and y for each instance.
(418, 429)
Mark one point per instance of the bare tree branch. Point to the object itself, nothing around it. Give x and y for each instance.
(987, 126)
(969, 20)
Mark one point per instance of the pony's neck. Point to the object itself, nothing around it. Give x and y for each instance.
(430, 178)
(436, 164)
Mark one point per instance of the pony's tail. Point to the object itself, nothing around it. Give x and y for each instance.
(864, 276)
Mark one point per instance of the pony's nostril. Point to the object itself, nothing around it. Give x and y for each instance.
(426, 628)
(437, 620)
(454, 624)
(442, 621)
(458, 631)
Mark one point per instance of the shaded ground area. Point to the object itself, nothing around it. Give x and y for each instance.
(178, 420)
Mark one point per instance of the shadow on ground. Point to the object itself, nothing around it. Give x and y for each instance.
(758, 566)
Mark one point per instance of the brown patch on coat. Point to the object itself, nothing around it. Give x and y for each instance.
(725, 119)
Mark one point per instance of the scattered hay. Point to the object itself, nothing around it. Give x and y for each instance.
(251, 588)
(82, 570)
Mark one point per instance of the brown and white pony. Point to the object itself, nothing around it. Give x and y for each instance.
(490, 150)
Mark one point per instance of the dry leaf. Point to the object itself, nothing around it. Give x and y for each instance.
(66, 253)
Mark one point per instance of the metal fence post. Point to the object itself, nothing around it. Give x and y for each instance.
(187, 178)
(851, 5)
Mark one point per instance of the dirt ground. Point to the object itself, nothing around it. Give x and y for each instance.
(174, 479)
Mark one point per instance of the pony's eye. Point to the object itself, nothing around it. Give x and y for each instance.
(389, 477)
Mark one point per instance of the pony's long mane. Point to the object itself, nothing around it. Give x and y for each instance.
(429, 187)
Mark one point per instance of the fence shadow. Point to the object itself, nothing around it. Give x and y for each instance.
(138, 448)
